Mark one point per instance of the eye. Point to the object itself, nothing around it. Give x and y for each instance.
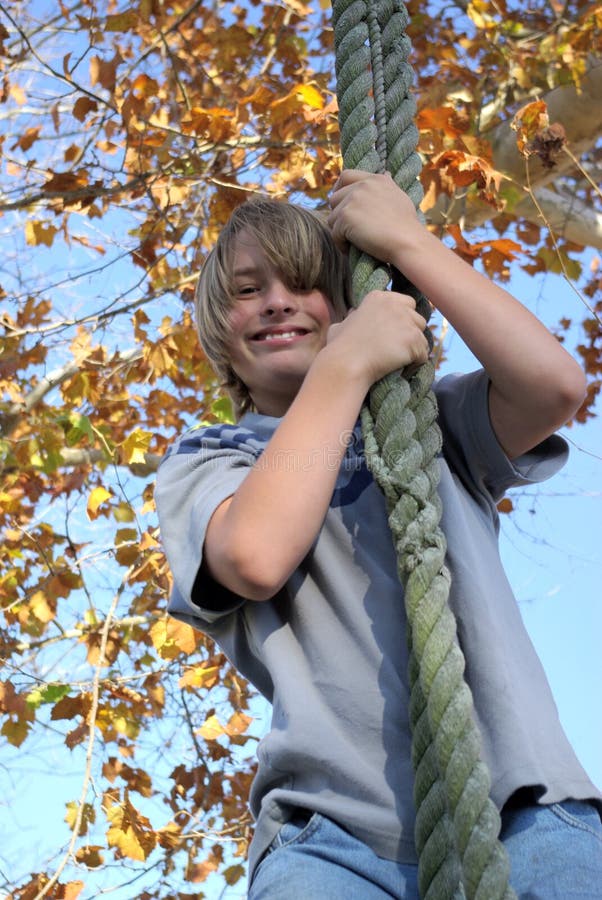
(246, 290)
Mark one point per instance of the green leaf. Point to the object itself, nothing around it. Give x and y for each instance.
(76, 426)
(222, 410)
(558, 262)
(46, 693)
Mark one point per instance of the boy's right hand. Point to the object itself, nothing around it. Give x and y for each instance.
(383, 334)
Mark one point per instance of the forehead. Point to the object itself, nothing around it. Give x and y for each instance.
(248, 256)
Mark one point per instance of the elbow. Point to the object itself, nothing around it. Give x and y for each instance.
(570, 390)
(253, 577)
(259, 586)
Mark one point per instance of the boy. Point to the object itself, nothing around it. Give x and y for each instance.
(279, 545)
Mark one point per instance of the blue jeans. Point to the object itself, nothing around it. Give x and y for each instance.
(555, 854)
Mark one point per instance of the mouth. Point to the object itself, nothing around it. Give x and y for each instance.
(285, 334)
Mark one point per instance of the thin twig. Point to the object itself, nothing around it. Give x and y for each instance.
(565, 274)
(95, 693)
(576, 162)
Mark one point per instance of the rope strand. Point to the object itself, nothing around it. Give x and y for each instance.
(457, 824)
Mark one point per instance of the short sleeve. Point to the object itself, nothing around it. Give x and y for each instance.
(472, 449)
(201, 470)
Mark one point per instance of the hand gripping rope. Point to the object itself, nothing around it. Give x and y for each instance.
(457, 824)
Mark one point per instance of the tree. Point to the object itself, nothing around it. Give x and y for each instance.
(129, 133)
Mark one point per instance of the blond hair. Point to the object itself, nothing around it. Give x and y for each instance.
(298, 244)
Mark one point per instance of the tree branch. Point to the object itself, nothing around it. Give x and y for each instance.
(10, 419)
(566, 215)
(580, 114)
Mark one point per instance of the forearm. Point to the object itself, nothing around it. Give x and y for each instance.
(258, 537)
(535, 385)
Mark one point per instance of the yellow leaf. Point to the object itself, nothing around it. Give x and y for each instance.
(37, 233)
(211, 728)
(96, 498)
(41, 608)
(170, 638)
(124, 513)
(136, 446)
(477, 11)
(125, 726)
(18, 94)
(200, 676)
(88, 816)
(311, 96)
(130, 832)
(170, 836)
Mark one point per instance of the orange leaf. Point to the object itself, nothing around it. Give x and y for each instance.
(29, 137)
(528, 121)
(90, 856)
(70, 891)
(443, 119)
(238, 724)
(82, 106)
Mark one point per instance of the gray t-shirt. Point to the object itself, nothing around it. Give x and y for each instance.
(329, 650)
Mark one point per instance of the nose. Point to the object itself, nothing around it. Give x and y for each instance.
(279, 299)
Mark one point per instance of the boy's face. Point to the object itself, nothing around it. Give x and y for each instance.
(276, 332)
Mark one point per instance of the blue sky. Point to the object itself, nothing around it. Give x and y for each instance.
(551, 545)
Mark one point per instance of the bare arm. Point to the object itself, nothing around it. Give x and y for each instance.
(257, 537)
(536, 386)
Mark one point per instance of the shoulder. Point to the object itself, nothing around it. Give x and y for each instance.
(214, 439)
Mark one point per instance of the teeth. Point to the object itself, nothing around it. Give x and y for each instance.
(279, 335)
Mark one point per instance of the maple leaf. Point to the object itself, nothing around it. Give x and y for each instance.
(130, 832)
(171, 638)
(136, 445)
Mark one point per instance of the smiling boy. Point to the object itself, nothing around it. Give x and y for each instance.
(279, 545)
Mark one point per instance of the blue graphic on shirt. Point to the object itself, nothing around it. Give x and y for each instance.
(219, 437)
(348, 493)
(354, 476)
(352, 480)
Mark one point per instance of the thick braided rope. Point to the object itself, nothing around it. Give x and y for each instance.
(456, 822)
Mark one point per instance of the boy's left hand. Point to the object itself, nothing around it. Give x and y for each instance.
(372, 213)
